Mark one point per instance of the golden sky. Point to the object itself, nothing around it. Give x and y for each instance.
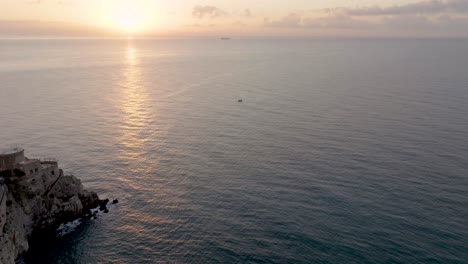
(347, 18)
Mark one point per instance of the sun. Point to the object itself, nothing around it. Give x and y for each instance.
(129, 20)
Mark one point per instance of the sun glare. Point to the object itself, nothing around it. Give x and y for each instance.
(129, 20)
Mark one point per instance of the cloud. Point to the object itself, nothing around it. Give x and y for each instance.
(244, 13)
(423, 7)
(449, 15)
(443, 22)
(202, 11)
(207, 11)
(293, 20)
(290, 21)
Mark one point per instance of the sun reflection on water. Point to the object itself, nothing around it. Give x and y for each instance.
(135, 107)
(139, 141)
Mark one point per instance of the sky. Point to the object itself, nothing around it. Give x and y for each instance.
(191, 18)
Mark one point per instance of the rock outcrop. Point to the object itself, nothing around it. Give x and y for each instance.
(38, 204)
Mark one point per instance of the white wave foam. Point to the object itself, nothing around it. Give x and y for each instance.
(68, 227)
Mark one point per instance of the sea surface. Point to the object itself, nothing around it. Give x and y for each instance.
(342, 151)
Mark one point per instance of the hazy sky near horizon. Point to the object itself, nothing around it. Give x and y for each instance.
(348, 18)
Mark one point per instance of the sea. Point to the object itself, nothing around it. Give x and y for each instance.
(249, 150)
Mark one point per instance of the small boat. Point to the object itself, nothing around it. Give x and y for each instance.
(240, 101)
(225, 38)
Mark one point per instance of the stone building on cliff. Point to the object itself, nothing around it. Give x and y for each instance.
(42, 174)
(36, 196)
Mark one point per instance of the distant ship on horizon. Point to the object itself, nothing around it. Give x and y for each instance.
(225, 38)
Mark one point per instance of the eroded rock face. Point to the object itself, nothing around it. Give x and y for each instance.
(32, 206)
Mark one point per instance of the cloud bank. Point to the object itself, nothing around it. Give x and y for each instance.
(294, 20)
(428, 15)
(418, 8)
(208, 11)
(202, 11)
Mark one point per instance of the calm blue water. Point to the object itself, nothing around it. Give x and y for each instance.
(342, 151)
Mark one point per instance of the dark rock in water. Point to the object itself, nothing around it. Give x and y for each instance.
(88, 216)
(106, 211)
(89, 199)
(115, 201)
(103, 203)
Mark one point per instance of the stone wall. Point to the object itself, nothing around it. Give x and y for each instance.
(30, 167)
(9, 159)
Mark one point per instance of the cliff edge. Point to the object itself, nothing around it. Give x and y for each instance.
(36, 196)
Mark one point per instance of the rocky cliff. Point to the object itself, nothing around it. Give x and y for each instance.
(38, 204)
